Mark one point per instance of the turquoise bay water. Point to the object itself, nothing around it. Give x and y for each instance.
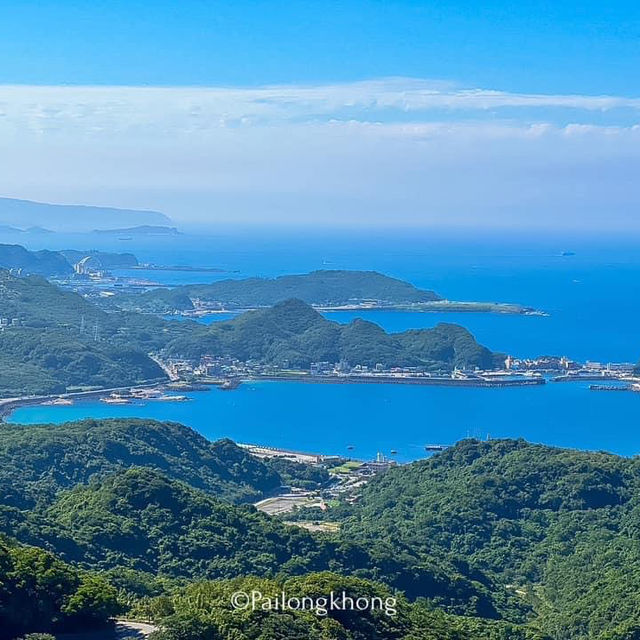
(593, 299)
(327, 418)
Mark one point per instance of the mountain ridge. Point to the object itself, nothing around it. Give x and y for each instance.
(323, 287)
(293, 334)
(74, 218)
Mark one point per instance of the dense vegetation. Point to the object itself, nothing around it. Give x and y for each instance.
(58, 263)
(293, 334)
(56, 339)
(142, 519)
(46, 263)
(493, 540)
(561, 528)
(202, 611)
(121, 496)
(36, 462)
(320, 288)
(40, 593)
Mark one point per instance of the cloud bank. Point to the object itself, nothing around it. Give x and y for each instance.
(392, 151)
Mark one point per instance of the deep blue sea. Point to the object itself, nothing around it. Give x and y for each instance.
(592, 298)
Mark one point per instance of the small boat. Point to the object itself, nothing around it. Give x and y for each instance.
(350, 447)
(394, 452)
(168, 398)
(115, 400)
(229, 385)
(435, 447)
(58, 402)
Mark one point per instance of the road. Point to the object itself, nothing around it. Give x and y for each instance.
(123, 629)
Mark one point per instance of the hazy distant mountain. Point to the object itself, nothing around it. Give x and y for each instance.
(142, 230)
(44, 263)
(63, 217)
(59, 263)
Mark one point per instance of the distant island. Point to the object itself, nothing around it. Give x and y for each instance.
(326, 290)
(142, 230)
(73, 218)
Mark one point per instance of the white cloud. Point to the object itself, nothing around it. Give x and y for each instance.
(417, 151)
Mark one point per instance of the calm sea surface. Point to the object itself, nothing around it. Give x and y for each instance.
(593, 298)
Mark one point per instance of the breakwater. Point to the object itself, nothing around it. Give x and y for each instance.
(422, 381)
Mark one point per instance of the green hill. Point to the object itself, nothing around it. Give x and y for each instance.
(188, 614)
(293, 334)
(38, 461)
(40, 593)
(559, 527)
(46, 263)
(140, 519)
(318, 288)
(503, 539)
(52, 339)
(158, 498)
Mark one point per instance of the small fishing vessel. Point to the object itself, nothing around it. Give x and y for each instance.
(229, 385)
(169, 398)
(115, 400)
(435, 447)
(58, 402)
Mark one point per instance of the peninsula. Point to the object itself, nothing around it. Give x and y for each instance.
(54, 341)
(325, 290)
(73, 218)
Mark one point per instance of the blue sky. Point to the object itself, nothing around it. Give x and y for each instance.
(568, 47)
(511, 114)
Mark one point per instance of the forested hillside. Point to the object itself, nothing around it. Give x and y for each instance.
(52, 341)
(293, 334)
(45, 263)
(40, 593)
(39, 461)
(203, 610)
(154, 500)
(559, 527)
(491, 540)
(320, 288)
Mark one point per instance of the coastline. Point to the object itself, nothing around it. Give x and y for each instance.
(9, 405)
(435, 306)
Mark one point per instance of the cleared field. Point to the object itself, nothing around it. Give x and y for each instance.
(284, 504)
